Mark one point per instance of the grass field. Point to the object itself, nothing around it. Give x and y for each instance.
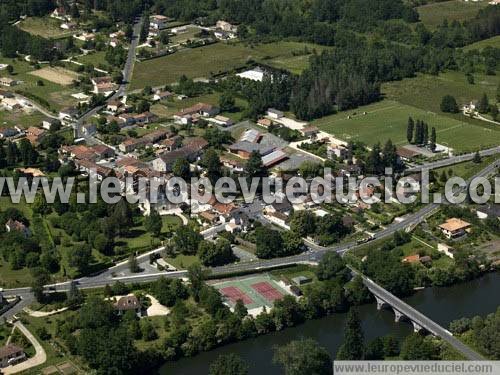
(490, 42)
(217, 58)
(58, 96)
(433, 15)
(388, 120)
(95, 58)
(20, 118)
(45, 27)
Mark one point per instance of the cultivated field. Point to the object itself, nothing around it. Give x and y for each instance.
(218, 58)
(388, 120)
(433, 15)
(57, 75)
(45, 27)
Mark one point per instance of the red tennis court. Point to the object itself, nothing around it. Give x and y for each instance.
(267, 290)
(234, 294)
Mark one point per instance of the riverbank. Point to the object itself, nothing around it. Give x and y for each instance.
(476, 297)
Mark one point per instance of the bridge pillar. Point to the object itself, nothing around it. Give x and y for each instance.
(417, 327)
(380, 303)
(398, 316)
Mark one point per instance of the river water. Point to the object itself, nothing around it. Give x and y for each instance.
(478, 297)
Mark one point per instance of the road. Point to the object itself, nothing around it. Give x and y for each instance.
(422, 320)
(453, 160)
(127, 76)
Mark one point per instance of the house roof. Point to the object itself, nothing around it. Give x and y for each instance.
(310, 129)
(9, 350)
(411, 258)
(265, 122)
(251, 147)
(197, 108)
(273, 158)
(128, 303)
(406, 153)
(454, 224)
(250, 135)
(15, 225)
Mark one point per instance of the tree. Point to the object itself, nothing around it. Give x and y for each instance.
(79, 257)
(449, 104)
(75, 296)
(227, 102)
(303, 356)
(331, 266)
(215, 254)
(144, 29)
(196, 276)
(410, 129)
(433, 139)
(494, 112)
(75, 13)
(254, 167)
(228, 364)
(268, 242)
(40, 277)
(181, 168)
(148, 332)
(483, 106)
(153, 223)
(356, 291)
(164, 37)
(186, 240)
(425, 136)
(352, 349)
(143, 106)
(498, 93)
(477, 158)
(133, 265)
(417, 348)
(211, 162)
(303, 223)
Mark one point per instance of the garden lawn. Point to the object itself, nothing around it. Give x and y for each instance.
(433, 15)
(95, 58)
(388, 120)
(45, 27)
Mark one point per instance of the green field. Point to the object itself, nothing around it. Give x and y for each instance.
(490, 42)
(388, 119)
(433, 15)
(426, 91)
(214, 59)
(45, 27)
(95, 58)
(56, 95)
(20, 118)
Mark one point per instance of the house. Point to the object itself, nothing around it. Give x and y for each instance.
(145, 118)
(274, 158)
(179, 30)
(11, 104)
(11, 354)
(411, 259)
(234, 164)
(190, 151)
(30, 172)
(114, 106)
(454, 228)
(301, 280)
(103, 152)
(222, 121)
(210, 217)
(128, 303)
(309, 131)
(131, 144)
(103, 85)
(348, 170)
(274, 113)
(156, 136)
(88, 129)
(256, 74)
(16, 226)
(244, 149)
(6, 94)
(202, 109)
(113, 42)
(68, 114)
(60, 13)
(8, 132)
(226, 26)
(9, 82)
(34, 134)
(251, 135)
(98, 171)
(162, 95)
(68, 26)
(446, 250)
(406, 154)
(265, 122)
(158, 22)
(85, 37)
(340, 152)
(48, 122)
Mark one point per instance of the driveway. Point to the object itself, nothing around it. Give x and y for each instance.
(38, 359)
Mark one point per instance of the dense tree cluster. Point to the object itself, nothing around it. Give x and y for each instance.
(325, 230)
(273, 244)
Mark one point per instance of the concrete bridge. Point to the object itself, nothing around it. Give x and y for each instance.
(420, 322)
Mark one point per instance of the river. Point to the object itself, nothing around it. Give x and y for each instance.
(478, 297)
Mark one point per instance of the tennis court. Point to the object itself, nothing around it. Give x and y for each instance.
(255, 292)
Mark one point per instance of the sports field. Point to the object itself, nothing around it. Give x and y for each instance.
(218, 58)
(388, 120)
(255, 292)
(433, 15)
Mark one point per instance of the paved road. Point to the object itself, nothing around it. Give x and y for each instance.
(422, 320)
(453, 160)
